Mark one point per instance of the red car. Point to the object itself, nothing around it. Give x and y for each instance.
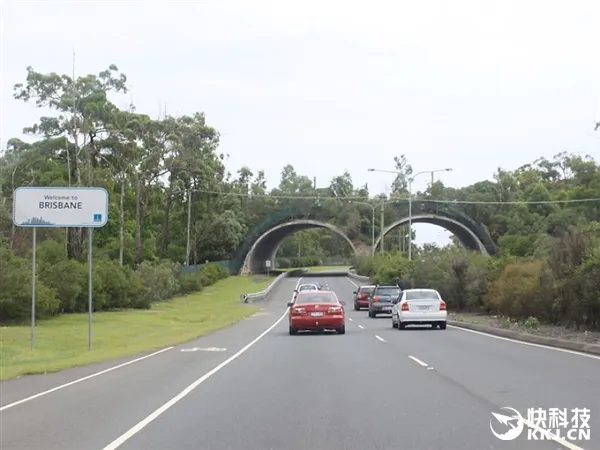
(317, 311)
(361, 297)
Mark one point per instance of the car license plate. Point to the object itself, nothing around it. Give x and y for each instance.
(316, 314)
(424, 308)
(387, 310)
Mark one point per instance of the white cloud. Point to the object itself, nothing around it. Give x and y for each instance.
(330, 85)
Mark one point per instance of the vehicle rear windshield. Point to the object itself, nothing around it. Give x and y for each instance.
(366, 290)
(308, 287)
(391, 291)
(422, 295)
(317, 297)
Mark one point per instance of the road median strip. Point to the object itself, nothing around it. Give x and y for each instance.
(583, 347)
(261, 295)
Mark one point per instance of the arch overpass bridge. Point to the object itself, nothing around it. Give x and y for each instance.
(264, 239)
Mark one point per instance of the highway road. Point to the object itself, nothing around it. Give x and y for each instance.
(258, 388)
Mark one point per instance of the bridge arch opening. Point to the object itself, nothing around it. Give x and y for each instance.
(266, 245)
(467, 237)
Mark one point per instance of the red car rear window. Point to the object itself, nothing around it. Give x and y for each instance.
(316, 297)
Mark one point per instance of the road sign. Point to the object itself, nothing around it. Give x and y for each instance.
(268, 263)
(60, 207)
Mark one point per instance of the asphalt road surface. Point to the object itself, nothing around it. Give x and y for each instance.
(374, 388)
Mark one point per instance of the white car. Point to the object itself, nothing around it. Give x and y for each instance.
(419, 307)
(306, 287)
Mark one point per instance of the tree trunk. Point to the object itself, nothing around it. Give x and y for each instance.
(75, 244)
(164, 245)
(122, 220)
(138, 221)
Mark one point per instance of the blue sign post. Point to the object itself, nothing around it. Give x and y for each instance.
(60, 207)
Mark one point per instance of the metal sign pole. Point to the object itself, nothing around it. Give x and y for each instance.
(90, 302)
(60, 207)
(33, 288)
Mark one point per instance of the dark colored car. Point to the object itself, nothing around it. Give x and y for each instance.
(382, 298)
(361, 297)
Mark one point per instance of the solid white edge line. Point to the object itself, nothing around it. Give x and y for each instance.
(418, 361)
(379, 338)
(551, 435)
(79, 380)
(138, 427)
(530, 344)
(93, 375)
(557, 439)
(296, 288)
(355, 285)
(516, 341)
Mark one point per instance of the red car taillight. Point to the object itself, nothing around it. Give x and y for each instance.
(298, 311)
(376, 298)
(442, 305)
(404, 307)
(335, 310)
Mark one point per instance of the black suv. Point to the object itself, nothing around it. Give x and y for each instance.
(380, 300)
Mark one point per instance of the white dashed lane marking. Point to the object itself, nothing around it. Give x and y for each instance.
(350, 319)
(418, 361)
(380, 338)
(361, 327)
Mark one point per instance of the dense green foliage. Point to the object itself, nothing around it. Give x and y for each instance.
(151, 167)
(559, 286)
(62, 283)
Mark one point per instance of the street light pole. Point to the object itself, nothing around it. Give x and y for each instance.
(410, 181)
(372, 230)
(382, 223)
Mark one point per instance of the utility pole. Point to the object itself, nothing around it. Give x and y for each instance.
(382, 223)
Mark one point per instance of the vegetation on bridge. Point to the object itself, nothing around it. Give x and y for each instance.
(150, 165)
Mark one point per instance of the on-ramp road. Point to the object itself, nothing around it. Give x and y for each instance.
(257, 388)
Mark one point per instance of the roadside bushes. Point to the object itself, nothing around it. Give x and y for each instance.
(300, 261)
(560, 285)
(62, 284)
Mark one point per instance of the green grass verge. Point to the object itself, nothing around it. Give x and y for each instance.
(62, 342)
(318, 268)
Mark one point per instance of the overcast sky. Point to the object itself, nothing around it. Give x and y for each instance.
(331, 85)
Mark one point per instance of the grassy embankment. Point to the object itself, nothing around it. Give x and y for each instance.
(62, 341)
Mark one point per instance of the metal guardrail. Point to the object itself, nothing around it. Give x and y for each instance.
(359, 278)
(257, 296)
